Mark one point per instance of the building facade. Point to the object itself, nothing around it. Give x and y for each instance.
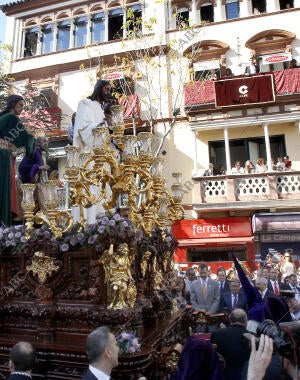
(174, 63)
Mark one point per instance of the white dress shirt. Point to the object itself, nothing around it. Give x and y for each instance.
(99, 374)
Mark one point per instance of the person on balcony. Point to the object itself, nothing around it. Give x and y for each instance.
(253, 67)
(12, 134)
(287, 163)
(238, 169)
(280, 165)
(221, 170)
(211, 170)
(249, 167)
(260, 166)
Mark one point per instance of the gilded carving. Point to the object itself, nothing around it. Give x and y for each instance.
(121, 285)
(42, 266)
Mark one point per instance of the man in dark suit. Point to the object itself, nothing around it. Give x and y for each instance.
(223, 282)
(230, 345)
(102, 351)
(205, 292)
(274, 285)
(234, 299)
(21, 362)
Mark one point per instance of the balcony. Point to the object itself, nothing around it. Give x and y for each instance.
(272, 190)
(200, 93)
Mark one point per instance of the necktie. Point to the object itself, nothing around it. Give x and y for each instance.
(235, 301)
(276, 290)
(221, 286)
(204, 289)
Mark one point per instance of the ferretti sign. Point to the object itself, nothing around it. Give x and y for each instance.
(212, 228)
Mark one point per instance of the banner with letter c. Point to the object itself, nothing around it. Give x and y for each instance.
(253, 89)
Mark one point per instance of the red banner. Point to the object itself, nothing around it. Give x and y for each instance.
(210, 228)
(254, 89)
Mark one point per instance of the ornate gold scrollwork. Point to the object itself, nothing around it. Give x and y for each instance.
(42, 266)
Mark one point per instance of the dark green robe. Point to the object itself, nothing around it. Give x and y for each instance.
(13, 131)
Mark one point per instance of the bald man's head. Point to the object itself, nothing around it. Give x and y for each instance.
(22, 357)
(238, 317)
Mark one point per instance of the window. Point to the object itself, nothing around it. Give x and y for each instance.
(98, 28)
(232, 9)
(115, 24)
(182, 18)
(245, 149)
(206, 70)
(207, 12)
(63, 35)
(134, 19)
(47, 39)
(286, 4)
(31, 42)
(80, 31)
(259, 6)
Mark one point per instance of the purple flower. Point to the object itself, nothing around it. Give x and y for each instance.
(125, 335)
(19, 227)
(18, 235)
(80, 236)
(101, 229)
(73, 241)
(10, 235)
(112, 222)
(104, 220)
(125, 224)
(23, 239)
(64, 247)
(92, 239)
(117, 217)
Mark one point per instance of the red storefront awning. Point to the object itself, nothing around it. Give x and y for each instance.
(215, 241)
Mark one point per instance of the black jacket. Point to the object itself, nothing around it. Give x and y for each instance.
(230, 344)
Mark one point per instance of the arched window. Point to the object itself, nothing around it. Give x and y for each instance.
(115, 24)
(47, 38)
(207, 12)
(80, 31)
(98, 27)
(232, 9)
(31, 41)
(182, 18)
(63, 35)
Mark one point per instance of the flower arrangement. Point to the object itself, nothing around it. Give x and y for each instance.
(12, 237)
(128, 343)
(107, 228)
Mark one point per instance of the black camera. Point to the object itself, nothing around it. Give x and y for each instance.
(285, 335)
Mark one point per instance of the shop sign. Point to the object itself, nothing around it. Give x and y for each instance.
(212, 228)
(276, 222)
(282, 238)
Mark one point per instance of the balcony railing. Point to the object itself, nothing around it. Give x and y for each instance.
(286, 82)
(271, 186)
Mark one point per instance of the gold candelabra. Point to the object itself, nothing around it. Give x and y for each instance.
(118, 167)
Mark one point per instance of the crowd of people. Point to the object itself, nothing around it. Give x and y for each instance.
(281, 164)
